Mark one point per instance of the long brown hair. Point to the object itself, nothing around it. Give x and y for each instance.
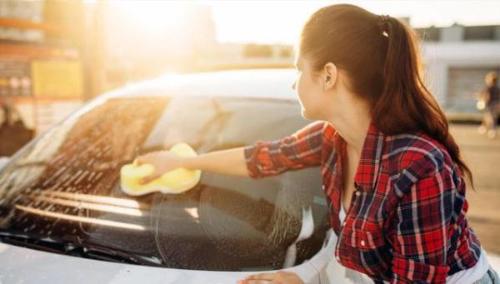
(380, 56)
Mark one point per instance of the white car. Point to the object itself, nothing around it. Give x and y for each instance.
(64, 217)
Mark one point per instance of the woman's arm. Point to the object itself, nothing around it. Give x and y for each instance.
(228, 162)
(299, 150)
(428, 191)
(263, 158)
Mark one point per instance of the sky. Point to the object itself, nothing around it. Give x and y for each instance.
(280, 22)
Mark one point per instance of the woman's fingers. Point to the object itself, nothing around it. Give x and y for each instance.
(161, 161)
(147, 159)
(150, 178)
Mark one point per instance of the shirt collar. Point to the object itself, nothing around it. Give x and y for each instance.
(370, 159)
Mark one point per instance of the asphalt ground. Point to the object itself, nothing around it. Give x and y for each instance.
(482, 155)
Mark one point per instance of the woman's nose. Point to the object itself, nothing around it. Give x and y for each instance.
(293, 85)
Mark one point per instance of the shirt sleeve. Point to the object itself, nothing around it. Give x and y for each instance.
(427, 191)
(296, 151)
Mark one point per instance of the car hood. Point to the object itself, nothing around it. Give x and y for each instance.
(24, 265)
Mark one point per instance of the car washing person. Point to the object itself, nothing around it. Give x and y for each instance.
(392, 172)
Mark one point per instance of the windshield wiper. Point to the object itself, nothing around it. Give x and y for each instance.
(74, 249)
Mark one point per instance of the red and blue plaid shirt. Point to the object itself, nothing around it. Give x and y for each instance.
(406, 222)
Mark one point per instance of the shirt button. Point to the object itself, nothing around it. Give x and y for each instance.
(358, 193)
(362, 243)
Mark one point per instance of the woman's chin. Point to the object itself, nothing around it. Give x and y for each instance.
(306, 115)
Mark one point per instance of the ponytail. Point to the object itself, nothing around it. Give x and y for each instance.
(406, 97)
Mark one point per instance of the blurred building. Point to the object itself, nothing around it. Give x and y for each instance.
(40, 59)
(457, 58)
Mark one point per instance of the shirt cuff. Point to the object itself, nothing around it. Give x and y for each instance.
(250, 160)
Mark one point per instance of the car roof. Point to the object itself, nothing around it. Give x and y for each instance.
(253, 83)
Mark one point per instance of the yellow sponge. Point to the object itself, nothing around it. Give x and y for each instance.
(175, 181)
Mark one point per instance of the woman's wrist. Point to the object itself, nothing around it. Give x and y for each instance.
(188, 163)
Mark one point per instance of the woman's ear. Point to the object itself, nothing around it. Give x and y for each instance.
(330, 75)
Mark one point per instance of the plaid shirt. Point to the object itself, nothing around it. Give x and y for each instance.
(406, 222)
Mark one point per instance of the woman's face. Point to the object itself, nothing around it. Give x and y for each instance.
(309, 88)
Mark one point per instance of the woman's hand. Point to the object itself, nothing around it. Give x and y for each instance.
(163, 161)
(281, 277)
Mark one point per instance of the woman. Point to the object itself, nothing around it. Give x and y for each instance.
(391, 171)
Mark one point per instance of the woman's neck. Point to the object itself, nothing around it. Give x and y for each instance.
(352, 124)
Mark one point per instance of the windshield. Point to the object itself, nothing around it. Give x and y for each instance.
(65, 186)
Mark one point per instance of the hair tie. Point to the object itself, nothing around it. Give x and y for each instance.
(383, 20)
